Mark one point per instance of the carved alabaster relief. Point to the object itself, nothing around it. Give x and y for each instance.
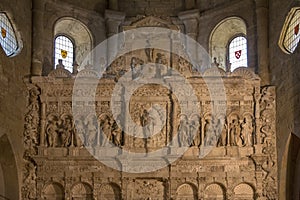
(31, 142)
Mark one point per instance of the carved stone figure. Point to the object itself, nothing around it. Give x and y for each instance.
(117, 134)
(247, 132)
(210, 132)
(222, 129)
(195, 132)
(79, 133)
(91, 130)
(52, 134)
(106, 130)
(146, 123)
(160, 61)
(234, 133)
(68, 131)
(183, 132)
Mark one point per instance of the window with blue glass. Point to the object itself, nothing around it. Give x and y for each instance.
(8, 38)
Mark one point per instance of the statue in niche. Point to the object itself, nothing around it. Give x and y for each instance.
(195, 132)
(222, 129)
(234, 133)
(183, 132)
(91, 130)
(106, 130)
(117, 134)
(52, 134)
(210, 132)
(247, 131)
(134, 64)
(79, 136)
(160, 62)
(149, 51)
(146, 121)
(67, 134)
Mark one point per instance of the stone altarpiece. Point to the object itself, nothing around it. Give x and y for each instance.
(242, 163)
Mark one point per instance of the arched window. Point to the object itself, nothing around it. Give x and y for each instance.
(237, 52)
(290, 34)
(226, 32)
(64, 50)
(8, 38)
(75, 38)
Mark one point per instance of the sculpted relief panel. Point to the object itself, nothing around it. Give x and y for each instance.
(226, 147)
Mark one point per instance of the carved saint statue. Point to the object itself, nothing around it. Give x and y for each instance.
(117, 134)
(67, 134)
(52, 134)
(234, 133)
(79, 136)
(183, 133)
(247, 131)
(91, 130)
(222, 129)
(195, 133)
(106, 129)
(209, 132)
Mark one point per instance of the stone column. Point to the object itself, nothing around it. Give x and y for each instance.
(113, 21)
(37, 37)
(262, 14)
(190, 20)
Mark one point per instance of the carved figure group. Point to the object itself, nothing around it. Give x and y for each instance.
(189, 133)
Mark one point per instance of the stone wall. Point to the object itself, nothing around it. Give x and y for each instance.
(13, 97)
(285, 75)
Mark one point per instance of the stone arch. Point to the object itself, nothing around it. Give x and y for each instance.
(81, 191)
(214, 191)
(8, 169)
(53, 191)
(223, 32)
(243, 191)
(110, 191)
(186, 191)
(79, 32)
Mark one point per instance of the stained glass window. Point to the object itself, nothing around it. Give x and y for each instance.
(8, 38)
(238, 52)
(64, 49)
(292, 34)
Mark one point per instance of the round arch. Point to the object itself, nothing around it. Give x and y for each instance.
(78, 31)
(81, 190)
(243, 191)
(214, 191)
(186, 191)
(223, 32)
(53, 191)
